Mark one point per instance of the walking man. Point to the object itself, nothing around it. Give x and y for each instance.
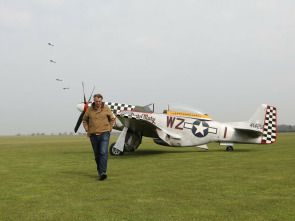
(98, 122)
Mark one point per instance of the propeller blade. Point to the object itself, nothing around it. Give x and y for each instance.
(91, 94)
(79, 122)
(82, 114)
(84, 93)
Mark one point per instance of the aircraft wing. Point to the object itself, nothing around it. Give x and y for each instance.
(145, 125)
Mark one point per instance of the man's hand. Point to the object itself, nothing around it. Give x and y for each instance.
(88, 134)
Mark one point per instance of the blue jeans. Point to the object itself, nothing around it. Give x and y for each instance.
(100, 144)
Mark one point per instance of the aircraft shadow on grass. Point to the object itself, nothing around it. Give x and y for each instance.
(156, 152)
(143, 152)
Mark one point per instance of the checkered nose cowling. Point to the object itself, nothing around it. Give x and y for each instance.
(270, 126)
(116, 107)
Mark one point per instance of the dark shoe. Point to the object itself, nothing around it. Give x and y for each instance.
(102, 176)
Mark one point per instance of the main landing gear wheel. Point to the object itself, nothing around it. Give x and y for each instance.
(114, 151)
(229, 148)
(128, 148)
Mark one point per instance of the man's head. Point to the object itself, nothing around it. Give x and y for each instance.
(97, 100)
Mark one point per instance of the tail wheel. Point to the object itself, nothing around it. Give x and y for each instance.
(114, 151)
(229, 148)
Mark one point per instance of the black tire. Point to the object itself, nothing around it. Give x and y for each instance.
(128, 149)
(229, 148)
(114, 151)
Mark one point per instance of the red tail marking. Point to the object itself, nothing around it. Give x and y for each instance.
(225, 131)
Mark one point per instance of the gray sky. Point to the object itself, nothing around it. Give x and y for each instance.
(224, 57)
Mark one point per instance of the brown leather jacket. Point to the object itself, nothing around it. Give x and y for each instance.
(98, 121)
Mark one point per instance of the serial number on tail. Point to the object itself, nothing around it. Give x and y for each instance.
(257, 126)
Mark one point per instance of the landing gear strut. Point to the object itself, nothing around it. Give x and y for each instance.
(229, 148)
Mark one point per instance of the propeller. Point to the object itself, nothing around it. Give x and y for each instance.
(79, 121)
(84, 92)
(85, 108)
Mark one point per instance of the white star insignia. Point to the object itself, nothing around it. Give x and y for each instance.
(200, 128)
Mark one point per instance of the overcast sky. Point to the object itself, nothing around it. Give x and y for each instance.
(224, 57)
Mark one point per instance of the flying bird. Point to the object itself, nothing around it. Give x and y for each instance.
(50, 44)
(66, 88)
(52, 61)
(58, 79)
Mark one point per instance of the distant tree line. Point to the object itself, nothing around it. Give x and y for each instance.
(283, 128)
(286, 128)
(60, 134)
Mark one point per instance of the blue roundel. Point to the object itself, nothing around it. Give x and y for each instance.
(200, 128)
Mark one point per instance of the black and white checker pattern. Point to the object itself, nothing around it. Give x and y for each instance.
(130, 116)
(116, 107)
(270, 128)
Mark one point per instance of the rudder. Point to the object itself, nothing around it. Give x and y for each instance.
(270, 126)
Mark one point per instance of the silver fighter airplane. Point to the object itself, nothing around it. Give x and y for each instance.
(182, 126)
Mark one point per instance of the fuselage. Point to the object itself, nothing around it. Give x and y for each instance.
(183, 129)
(189, 131)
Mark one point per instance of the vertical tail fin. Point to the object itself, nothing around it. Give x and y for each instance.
(270, 126)
(258, 118)
(265, 121)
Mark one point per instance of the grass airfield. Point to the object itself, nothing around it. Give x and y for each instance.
(54, 178)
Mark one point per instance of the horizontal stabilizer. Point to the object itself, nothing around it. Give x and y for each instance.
(251, 132)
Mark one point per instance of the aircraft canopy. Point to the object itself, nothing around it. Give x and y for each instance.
(184, 109)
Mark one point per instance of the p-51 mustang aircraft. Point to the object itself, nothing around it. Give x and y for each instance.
(183, 126)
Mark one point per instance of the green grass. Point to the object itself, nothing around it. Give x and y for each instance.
(54, 178)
